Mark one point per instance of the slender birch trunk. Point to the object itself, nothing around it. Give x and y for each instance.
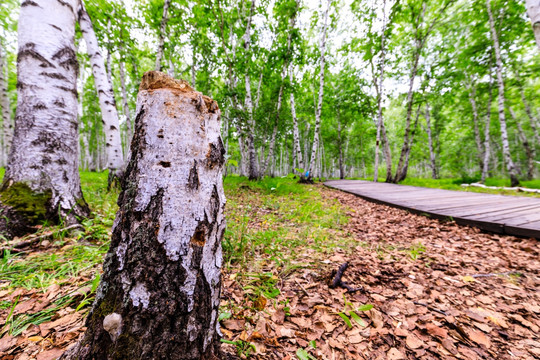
(340, 148)
(532, 120)
(322, 62)
(7, 123)
(401, 175)
(125, 103)
(194, 66)
(533, 9)
(43, 161)
(477, 138)
(487, 137)
(380, 91)
(297, 148)
(107, 103)
(161, 35)
(510, 167)
(432, 158)
(529, 150)
(159, 294)
(253, 171)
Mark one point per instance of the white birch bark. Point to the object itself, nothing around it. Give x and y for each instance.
(107, 103)
(161, 35)
(380, 92)
(318, 110)
(125, 103)
(477, 138)
(163, 269)
(44, 157)
(532, 120)
(7, 123)
(510, 167)
(533, 9)
(432, 159)
(253, 171)
(487, 136)
(297, 148)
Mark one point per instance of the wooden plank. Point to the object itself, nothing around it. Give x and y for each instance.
(497, 213)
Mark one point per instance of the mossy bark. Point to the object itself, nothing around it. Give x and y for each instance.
(160, 290)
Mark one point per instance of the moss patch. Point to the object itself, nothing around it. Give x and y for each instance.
(30, 204)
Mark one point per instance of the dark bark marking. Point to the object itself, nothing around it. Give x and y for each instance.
(29, 3)
(113, 127)
(66, 4)
(165, 164)
(216, 154)
(53, 75)
(193, 179)
(28, 51)
(56, 27)
(160, 134)
(199, 237)
(65, 88)
(59, 103)
(39, 106)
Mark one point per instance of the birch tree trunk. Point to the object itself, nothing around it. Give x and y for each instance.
(161, 35)
(487, 136)
(160, 291)
(253, 170)
(432, 158)
(533, 9)
(43, 161)
(379, 89)
(406, 151)
(297, 148)
(477, 138)
(510, 167)
(322, 49)
(340, 148)
(125, 103)
(107, 103)
(529, 150)
(532, 120)
(7, 124)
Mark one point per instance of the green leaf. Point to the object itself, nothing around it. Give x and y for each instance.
(313, 344)
(304, 355)
(346, 319)
(365, 307)
(358, 319)
(224, 316)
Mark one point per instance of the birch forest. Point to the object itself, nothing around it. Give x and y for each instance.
(269, 179)
(366, 89)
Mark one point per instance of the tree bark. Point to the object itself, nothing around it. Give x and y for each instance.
(533, 9)
(406, 152)
(125, 103)
(253, 170)
(159, 294)
(161, 35)
(42, 178)
(529, 150)
(487, 137)
(432, 159)
(477, 138)
(322, 62)
(7, 124)
(510, 167)
(297, 148)
(340, 149)
(379, 89)
(532, 120)
(107, 103)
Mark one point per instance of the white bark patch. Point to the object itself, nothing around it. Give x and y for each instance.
(112, 323)
(139, 295)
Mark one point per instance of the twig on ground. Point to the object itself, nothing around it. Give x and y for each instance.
(338, 282)
(301, 287)
(507, 273)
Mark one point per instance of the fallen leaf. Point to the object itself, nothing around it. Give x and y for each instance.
(395, 354)
(413, 342)
(480, 338)
(435, 330)
(52, 354)
(233, 324)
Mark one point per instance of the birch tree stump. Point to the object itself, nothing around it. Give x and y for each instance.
(160, 291)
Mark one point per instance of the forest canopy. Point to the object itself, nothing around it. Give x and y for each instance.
(322, 86)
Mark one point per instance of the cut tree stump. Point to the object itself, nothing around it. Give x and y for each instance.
(160, 291)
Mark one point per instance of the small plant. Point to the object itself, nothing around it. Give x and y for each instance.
(350, 312)
(243, 348)
(302, 354)
(416, 250)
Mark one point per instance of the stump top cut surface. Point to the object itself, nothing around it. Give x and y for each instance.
(155, 80)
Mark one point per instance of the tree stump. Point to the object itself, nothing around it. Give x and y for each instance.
(160, 291)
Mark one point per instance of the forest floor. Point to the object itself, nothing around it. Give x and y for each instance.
(424, 288)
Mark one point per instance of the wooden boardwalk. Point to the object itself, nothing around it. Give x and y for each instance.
(501, 214)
